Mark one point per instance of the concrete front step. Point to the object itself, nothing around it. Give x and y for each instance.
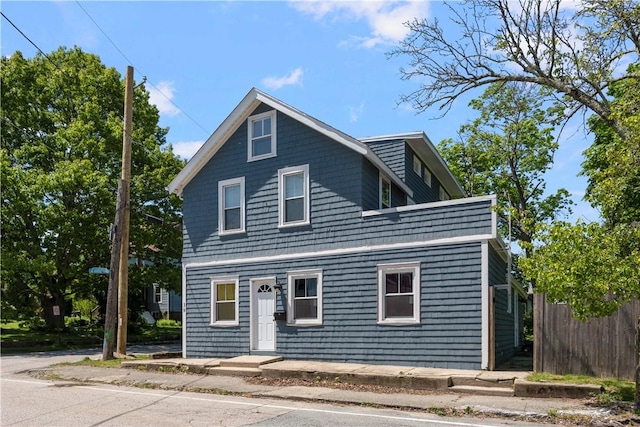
(252, 361)
(482, 391)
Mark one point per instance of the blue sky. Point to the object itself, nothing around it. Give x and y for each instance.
(324, 58)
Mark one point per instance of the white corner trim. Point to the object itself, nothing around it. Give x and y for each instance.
(184, 311)
(433, 205)
(342, 251)
(484, 286)
(494, 216)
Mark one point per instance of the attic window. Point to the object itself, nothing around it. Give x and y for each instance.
(427, 177)
(262, 136)
(417, 166)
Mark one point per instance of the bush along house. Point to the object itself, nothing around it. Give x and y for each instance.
(304, 242)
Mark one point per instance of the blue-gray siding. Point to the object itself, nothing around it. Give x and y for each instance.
(336, 186)
(504, 321)
(392, 153)
(422, 193)
(449, 334)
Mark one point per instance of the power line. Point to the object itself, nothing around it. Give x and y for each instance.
(29, 40)
(139, 72)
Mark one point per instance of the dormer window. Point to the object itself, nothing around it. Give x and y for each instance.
(385, 192)
(262, 136)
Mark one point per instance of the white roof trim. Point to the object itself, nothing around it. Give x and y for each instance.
(242, 112)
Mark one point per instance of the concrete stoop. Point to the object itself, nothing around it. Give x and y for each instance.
(243, 366)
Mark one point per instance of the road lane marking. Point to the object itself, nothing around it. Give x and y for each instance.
(259, 405)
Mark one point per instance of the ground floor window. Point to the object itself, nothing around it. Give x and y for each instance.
(399, 293)
(304, 297)
(224, 301)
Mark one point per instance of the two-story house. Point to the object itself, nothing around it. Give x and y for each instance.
(302, 241)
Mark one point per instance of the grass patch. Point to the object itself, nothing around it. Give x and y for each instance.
(21, 337)
(614, 389)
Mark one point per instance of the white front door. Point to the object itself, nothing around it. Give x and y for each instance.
(263, 326)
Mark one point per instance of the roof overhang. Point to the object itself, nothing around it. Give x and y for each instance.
(240, 114)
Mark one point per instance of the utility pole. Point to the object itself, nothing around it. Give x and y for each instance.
(117, 294)
(123, 280)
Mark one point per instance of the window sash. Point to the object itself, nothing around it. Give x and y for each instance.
(224, 301)
(231, 206)
(399, 293)
(293, 194)
(262, 134)
(305, 297)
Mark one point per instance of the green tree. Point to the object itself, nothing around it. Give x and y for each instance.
(572, 52)
(505, 151)
(60, 158)
(595, 267)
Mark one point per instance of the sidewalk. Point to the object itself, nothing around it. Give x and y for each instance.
(212, 376)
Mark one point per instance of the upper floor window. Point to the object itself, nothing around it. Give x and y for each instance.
(231, 206)
(304, 297)
(157, 294)
(293, 196)
(224, 301)
(399, 293)
(427, 176)
(385, 192)
(262, 136)
(417, 165)
(444, 195)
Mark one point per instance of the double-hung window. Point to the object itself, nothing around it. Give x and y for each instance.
(224, 301)
(157, 294)
(293, 196)
(399, 293)
(262, 136)
(304, 297)
(231, 206)
(385, 192)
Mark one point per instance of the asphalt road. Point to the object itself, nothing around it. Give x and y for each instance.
(26, 401)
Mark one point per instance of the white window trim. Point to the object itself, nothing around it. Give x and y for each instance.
(214, 282)
(383, 178)
(250, 121)
(281, 196)
(155, 289)
(427, 176)
(221, 186)
(413, 267)
(417, 166)
(303, 274)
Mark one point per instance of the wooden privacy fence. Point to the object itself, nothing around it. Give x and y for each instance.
(603, 347)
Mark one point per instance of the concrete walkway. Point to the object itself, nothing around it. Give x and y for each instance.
(433, 401)
(483, 383)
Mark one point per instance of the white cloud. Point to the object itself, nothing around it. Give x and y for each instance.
(293, 78)
(161, 96)
(385, 18)
(186, 149)
(356, 112)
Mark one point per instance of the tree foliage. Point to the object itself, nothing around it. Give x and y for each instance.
(505, 151)
(60, 159)
(574, 53)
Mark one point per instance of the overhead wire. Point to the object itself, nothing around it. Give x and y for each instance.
(139, 72)
(28, 39)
